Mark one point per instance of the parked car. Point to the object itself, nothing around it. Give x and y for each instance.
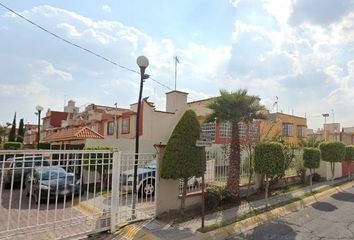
(16, 168)
(145, 180)
(52, 182)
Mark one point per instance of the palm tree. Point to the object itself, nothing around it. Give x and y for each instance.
(235, 107)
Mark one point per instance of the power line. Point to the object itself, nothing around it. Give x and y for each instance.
(78, 46)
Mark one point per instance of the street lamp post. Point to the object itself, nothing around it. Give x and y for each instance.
(325, 115)
(143, 63)
(39, 110)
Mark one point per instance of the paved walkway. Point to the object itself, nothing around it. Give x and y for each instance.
(189, 228)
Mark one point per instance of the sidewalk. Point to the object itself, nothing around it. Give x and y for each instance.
(188, 229)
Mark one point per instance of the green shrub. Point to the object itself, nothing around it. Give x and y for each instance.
(12, 145)
(332, 151)
(349, 156)
(44, 145)
(269, 159)
(312, 157)
(214, 196)
(349, 153)
(316, 177)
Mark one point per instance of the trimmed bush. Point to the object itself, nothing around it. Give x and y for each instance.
(44, 145)
(332, 151)
(269, 160)
(12, 145)
(182, 159)
(312, 158)
(349, 156)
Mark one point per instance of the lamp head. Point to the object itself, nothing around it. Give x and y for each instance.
(39, 108)
(142, 61)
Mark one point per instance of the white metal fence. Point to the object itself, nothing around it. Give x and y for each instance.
(217, 169)
(56, 194)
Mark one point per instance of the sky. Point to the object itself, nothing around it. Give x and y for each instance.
(301, 51)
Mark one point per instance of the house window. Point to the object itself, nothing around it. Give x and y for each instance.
(125, 125)
(208, 131)
(287, 129)
(225, 129)
(110, 128)
(301, 131)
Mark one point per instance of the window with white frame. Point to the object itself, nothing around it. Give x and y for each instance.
(110, 128)
(208, 131)
(287, 129)
(125, 125)
(225, 129)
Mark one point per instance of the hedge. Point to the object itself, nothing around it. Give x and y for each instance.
(12, 145)
(44, 145)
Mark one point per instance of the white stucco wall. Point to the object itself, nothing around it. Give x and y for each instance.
(325, 170)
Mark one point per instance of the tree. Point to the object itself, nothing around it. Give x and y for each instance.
(349, 157)
(332, 151)
(12, 135)
(269, 160)
(310, 142)
(182, 159)
(21, 132)
(311, 157)
(235, 107)
(2, 133)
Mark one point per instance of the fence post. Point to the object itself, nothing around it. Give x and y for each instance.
(115, 188)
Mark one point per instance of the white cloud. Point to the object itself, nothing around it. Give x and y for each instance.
(235, 3)
(106, 8)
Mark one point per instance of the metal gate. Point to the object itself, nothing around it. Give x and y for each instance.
(53, 194)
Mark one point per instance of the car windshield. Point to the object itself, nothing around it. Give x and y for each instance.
(51, 174)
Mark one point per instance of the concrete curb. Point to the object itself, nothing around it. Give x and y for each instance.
(135, 231)
(88, 209)
(252, 222)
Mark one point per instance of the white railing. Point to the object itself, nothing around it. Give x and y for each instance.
(58, 194)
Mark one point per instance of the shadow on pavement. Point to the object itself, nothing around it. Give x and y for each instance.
(344, 196)
(324, 206)
(270, 231)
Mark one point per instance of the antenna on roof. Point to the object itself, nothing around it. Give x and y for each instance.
(176, 61)
(332, 110)
(275, 103)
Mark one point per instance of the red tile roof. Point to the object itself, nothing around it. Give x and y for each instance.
(73, 134)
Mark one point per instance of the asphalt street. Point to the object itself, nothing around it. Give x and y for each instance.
(332, 218)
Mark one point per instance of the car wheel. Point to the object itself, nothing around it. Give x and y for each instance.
(147, 189)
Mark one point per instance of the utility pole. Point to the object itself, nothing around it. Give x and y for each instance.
(176, 62)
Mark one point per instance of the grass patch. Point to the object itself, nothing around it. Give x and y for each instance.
(269, 208)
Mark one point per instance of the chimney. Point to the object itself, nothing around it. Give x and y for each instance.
(175, 101)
